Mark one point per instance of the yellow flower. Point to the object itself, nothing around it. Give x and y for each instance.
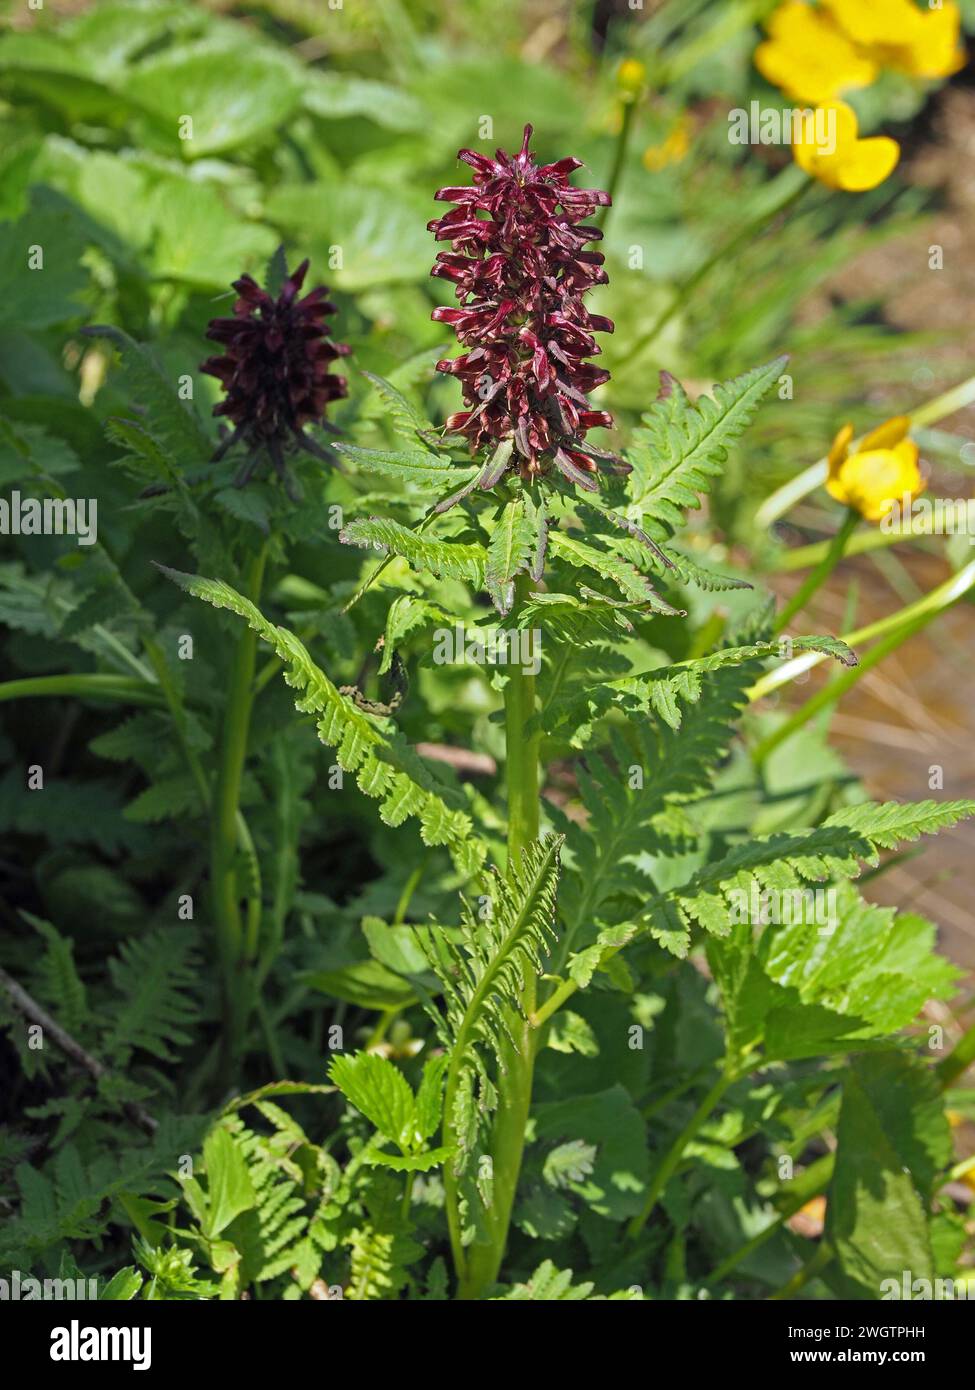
(937, 50)
(880, 473)
(631, 78)
(921, 42)
(844, 161)
(809, 57)
(671, 150)
(876, 23)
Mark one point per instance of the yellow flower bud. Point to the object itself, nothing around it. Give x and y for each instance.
(631, 78)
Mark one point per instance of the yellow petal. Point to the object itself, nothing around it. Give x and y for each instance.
(870, 22)
(839, 449)
(907, 457)
(937, 49)
(868, 164)
(874, 481)
(809, 57)
(888, 434)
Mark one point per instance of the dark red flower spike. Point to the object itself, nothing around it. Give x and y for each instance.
(520, 272)
(276, 371)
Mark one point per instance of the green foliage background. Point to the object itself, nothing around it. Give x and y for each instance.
(328, 131)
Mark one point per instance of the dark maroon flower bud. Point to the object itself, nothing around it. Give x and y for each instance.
(520, 273)
(276, 371)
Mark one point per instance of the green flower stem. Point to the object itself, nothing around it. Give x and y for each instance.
(727, 249)
(675, 1153)
(864, 542)
(892, 631)
(836, 688)
(125, 689)
(940, 598)
(834, 554)
(619, 156)
(784, 498)
(235, 948)
(477, 1266)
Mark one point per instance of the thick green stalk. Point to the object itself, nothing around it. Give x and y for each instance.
(234, 945)
(481, 1262)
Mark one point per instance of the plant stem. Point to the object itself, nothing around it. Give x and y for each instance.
(818, 577)
(940, 598)
(235, 949)
(675, 1153)
(85, 687)
(619, 155)
(478, 1266)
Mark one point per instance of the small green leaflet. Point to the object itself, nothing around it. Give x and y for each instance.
(682, 447)
(432, 472)
(376, 1087)
(445, 559)
(512, 545)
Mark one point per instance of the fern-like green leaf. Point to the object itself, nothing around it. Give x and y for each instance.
(384, 766)
(445, 559)
(668, 688)
(513, 543)
(155, 978)
(683, 447)
(634, 586)
(787, 861)
(432, 472)
(406, 418)
(482, 975)
(175, 427)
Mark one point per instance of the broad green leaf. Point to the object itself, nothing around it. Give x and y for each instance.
(376, 1087)
(368, 985)
(608, 1122)
(229, 1187)
(876, 1218)
(237, 93)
